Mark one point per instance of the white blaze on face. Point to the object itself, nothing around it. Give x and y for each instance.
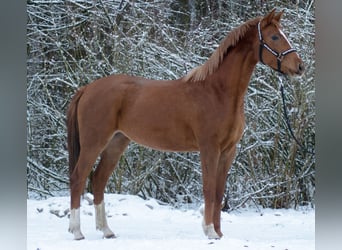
(283, 35)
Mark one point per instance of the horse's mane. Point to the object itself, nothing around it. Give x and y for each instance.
(211, 65)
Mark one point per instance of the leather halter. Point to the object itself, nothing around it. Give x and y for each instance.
(280, 56)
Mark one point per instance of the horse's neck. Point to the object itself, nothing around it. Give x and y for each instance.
(235, 72)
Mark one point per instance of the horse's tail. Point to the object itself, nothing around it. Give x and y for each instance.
(73, 132)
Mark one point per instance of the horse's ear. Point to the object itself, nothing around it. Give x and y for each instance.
(278, 16)
(269, 17)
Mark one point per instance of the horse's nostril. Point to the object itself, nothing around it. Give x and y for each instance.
(301, 68)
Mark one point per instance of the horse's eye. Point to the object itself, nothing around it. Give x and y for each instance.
(275, 37)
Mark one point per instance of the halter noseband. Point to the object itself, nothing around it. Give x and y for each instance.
(278, 55)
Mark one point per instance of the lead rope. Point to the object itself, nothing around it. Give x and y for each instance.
(225, 206)
(287, 120)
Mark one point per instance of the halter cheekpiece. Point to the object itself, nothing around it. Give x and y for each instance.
(278, 55)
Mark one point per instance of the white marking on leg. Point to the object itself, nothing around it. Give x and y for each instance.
(210, 232)
(75, 224)
(101, 221)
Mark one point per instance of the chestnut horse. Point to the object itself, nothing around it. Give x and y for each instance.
(202, 111)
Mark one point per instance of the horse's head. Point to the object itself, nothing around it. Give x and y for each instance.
(274, 48)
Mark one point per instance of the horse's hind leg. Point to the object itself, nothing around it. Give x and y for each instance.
(78, 179)
(109, 159)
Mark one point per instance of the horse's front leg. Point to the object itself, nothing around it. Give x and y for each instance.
(209, 164)
(225, 161)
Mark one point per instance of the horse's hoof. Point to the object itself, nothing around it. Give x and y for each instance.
(109, 236)
(78, 236)
(213, 236)
(107, 233)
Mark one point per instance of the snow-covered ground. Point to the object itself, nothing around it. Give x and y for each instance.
(140, 224)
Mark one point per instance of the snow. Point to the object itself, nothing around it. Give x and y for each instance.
(145, 224)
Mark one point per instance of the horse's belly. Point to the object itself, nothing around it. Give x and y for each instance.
(163, 139)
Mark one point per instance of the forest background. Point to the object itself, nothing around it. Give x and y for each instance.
(71, 43)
